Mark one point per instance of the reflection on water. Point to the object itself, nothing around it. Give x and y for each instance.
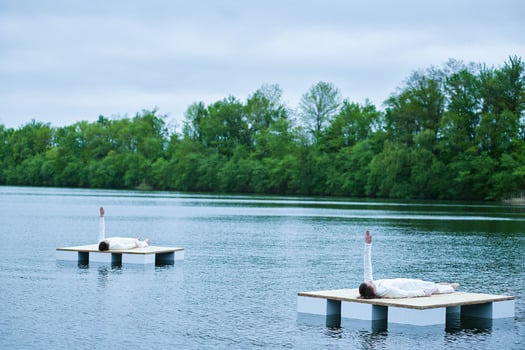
(246, 259)
(335, 332)
(455, 323)
(375, 339)
(103, 272)
(459, 323)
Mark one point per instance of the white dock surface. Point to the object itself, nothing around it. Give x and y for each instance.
(419, 303)
(93, 248)
(420, 311)
(147, 255)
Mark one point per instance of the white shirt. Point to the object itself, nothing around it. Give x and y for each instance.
(122, 243)
(101, 230)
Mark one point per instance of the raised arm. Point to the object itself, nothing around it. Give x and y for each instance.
(368, 273)
(101, 226)
(368, 237)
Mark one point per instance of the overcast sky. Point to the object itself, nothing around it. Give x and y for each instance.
(66, 61)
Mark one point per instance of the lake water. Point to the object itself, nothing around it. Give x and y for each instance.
(246, 258)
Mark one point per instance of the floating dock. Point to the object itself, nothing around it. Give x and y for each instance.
(422, 311)
(85, 254)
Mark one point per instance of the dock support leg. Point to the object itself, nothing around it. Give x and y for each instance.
(500, 309)
(83, 258)
(165, 258)
(427, 317)
(453, 310)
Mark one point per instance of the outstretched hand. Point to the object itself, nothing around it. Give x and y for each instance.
(101, 211)
(368, 237)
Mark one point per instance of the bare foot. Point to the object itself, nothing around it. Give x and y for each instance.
(454, 285)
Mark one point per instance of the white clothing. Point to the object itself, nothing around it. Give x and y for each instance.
(101, 230)
(118, 242)
(125, 243)
(400, 287)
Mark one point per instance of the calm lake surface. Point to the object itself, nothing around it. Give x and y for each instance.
(246, 259)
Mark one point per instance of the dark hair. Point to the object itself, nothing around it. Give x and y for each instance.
(103, 245)
(366, 291)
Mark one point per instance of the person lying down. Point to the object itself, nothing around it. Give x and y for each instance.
(122, 243)
(119, 243)
(396, 287)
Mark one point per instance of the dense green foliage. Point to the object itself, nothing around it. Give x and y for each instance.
(455, 132)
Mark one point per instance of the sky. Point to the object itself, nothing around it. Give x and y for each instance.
(64, 61)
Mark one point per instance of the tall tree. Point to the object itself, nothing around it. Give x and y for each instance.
(32, 139)
(318, 106)
(264, 107)
(462, 117)
(503, 96)
(418, 106)
(193, 121)
(224, 126)
(353, 124)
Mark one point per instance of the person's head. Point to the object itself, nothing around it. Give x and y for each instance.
(103, 245)
(367, 290)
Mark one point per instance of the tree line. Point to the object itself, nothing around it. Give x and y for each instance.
(454, 132)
